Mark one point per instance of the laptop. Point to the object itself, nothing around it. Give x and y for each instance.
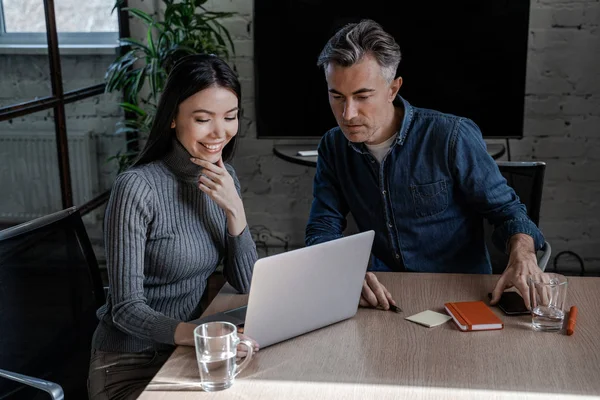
(303, 290)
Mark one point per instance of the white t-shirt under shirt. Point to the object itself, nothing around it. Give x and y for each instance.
(380, 150)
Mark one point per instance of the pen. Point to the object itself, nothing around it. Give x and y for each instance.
(572, 320)
(395, 308)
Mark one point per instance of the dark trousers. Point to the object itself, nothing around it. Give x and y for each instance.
(122, 376)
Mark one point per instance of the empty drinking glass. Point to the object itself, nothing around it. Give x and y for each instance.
(216, 351)
(547, 293)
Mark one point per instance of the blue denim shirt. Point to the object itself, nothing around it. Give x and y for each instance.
(426, 201)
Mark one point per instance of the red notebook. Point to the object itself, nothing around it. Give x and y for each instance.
(473, 316)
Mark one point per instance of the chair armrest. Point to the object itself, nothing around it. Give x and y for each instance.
(53, 389)
(546, 251)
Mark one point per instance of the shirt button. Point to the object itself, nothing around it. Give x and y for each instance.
(397, 255)
(384, 192)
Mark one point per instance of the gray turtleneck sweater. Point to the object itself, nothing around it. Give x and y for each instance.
(164, 237)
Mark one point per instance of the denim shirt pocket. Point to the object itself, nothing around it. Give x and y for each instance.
(430, 199)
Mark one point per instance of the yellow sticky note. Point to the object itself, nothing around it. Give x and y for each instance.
(429, 318)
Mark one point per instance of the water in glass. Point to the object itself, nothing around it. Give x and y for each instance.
(547, 318)
(217, 370)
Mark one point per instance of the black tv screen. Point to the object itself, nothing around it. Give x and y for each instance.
(461, 57)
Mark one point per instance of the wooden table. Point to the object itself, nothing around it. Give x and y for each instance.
(380, 355)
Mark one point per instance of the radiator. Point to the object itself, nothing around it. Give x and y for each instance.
(29, 177)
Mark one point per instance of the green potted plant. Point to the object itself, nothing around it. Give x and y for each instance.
(140, 73)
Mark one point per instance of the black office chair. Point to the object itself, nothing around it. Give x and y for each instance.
(50, 289)
(527, 180)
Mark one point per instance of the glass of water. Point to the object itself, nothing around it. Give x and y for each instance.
(216, 351)
(547, 293)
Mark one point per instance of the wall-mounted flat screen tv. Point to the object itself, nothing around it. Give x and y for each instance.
(464, 57)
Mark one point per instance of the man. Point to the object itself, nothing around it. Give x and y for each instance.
(421, 179)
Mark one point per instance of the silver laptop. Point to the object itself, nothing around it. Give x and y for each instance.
(302, 290)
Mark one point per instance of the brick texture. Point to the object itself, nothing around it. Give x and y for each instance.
(562, 128)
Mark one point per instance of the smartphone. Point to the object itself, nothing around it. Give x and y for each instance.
(511, 303)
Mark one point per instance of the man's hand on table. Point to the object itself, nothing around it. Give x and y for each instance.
(522, 263)
(374, 294)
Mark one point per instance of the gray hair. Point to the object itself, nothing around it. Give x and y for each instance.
(351, 43)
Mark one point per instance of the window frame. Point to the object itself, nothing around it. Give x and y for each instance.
(59, 98)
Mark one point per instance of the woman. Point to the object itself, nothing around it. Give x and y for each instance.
(171, 219)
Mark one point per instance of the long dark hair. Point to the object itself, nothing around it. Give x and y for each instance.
(190, 75)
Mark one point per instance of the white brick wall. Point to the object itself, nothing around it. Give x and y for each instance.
(562, 124)
(562, 127)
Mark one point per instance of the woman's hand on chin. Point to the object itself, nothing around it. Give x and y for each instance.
(218, 184)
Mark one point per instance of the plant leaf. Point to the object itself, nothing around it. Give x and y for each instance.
(118, 4)
(151, 43)
(153, 72)
(134, 43)
(140, 14)
(139, 82)
(132, 108)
